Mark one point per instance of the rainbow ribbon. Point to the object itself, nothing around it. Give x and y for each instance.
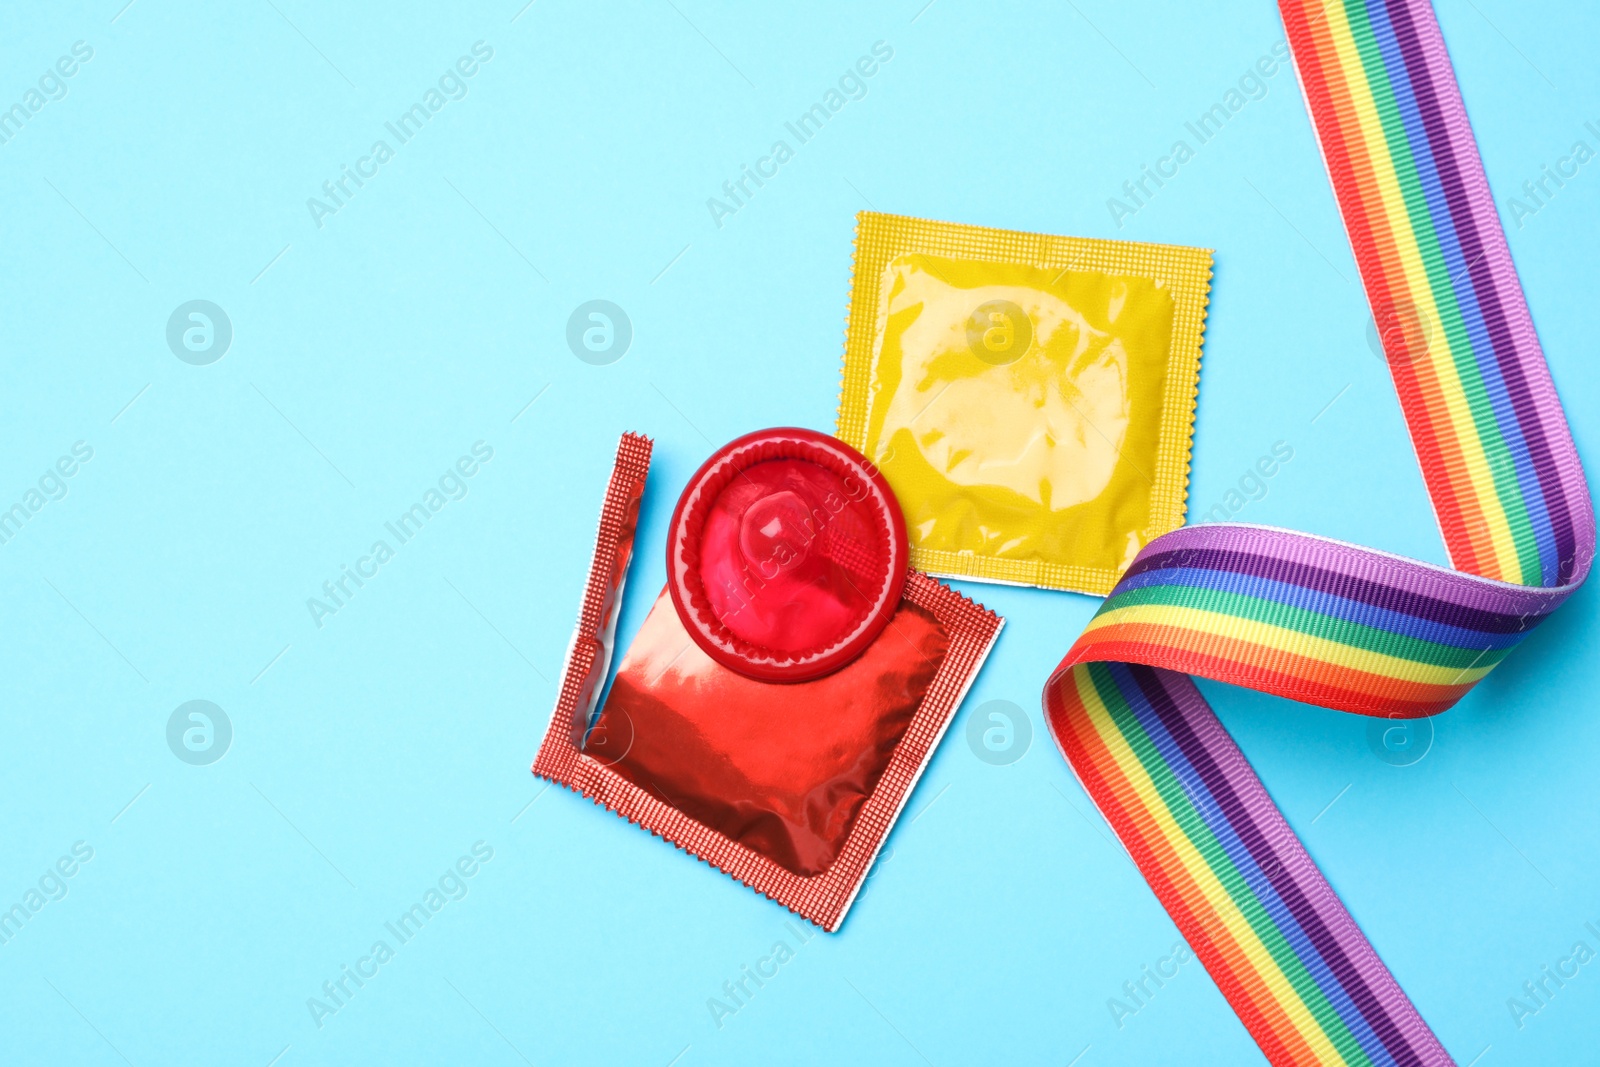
(1326, 622)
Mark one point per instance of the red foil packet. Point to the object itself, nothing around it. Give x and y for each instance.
(791, 788)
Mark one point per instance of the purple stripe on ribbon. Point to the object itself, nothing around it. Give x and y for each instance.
(1397, 572)
(1342, 583)
(1478, 229)
(1339, 979)
(1444, 222)
(1297, 595)
(1186, 711)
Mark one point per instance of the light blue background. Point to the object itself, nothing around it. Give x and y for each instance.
(370, 753)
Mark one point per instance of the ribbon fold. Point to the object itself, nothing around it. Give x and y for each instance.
(1322, 621)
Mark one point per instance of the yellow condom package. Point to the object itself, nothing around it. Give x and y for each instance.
(1029, 398)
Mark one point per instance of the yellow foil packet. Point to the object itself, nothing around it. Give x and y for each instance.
(1029, 398)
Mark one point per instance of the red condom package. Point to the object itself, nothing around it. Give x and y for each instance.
(787, 689)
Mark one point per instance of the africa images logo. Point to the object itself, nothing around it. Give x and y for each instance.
(199, 332)
(599, 332)
(337, 192)
(999, 732)
(453, 884)
(337, 592)
(52, 85)
(852, 85)
(199, 732)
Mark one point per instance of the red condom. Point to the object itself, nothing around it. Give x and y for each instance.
(786, 555)
(790, 788)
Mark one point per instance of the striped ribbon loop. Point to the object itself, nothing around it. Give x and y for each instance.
(1330, 623)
